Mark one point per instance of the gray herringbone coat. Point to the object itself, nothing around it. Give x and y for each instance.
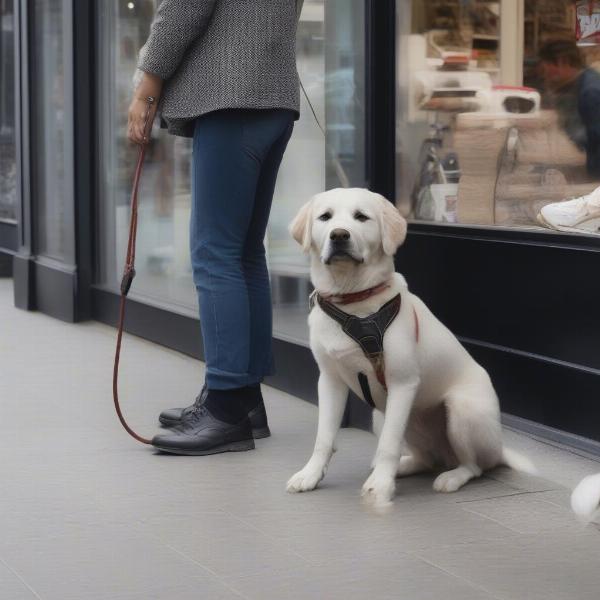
(216, 54)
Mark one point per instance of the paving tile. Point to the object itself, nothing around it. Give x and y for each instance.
(192, 589)
(12, 588)
(524, 513)
(334, 534)
(557, 565)
(554, 462)
(223, 544)
(384, 577)
(522, 481)
(89, 559)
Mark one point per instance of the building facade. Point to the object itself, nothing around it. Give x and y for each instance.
(443, 106)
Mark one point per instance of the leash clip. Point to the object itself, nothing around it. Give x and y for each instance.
(127, 280)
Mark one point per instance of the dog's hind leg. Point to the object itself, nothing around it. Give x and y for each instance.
(411, 465)
(474, 433)
(426, 440)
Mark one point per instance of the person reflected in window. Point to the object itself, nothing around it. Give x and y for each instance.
(577, 91)
(224, 74)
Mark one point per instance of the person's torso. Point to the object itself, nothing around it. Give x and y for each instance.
(246, 56)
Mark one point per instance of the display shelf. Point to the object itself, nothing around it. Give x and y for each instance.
(486, 36)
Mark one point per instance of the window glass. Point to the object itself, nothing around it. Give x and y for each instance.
(52, 130)
(497, 115)
(8, 171)
(331, 65)
(162, 261)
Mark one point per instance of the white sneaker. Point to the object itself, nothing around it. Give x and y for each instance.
(580, 214)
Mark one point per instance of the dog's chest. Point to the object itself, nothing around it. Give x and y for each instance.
(346, 357)
(345, 352)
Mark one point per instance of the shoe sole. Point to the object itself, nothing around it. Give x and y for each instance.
(261, 433)
(240, 446)
(258, 433)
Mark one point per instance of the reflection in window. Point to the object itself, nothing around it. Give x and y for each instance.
(162, 261)
(51, 106)
(8, 171)
(498, 120)
(331, 65)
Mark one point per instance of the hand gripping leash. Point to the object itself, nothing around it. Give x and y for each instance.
(129, 272)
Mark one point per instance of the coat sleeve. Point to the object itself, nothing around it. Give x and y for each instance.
(176, 25)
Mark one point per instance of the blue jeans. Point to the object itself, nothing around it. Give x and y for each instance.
(236, 158)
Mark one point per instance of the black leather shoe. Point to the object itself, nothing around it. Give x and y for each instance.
(173, 416)
(258, 416)
(201, 434)
(258, 420)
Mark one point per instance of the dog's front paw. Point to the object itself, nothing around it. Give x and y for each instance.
(305, 480)
(378, 490)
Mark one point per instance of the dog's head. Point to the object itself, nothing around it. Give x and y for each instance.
(349, 226)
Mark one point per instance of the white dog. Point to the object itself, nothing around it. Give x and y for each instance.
(437, 400)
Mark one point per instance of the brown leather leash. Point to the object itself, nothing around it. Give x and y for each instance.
(129, 271)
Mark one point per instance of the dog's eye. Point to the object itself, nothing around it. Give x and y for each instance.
(325, 216)
(361, 217)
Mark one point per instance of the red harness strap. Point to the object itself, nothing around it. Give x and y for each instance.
(416, 325)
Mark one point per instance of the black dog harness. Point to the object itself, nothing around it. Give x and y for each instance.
(367, 332)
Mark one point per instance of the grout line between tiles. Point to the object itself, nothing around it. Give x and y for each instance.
(521, 493)
(458, 577)
(210, 571)
(274, 540)
(16, 574)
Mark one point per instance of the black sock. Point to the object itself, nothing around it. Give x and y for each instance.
(227, 405)
(252, 398)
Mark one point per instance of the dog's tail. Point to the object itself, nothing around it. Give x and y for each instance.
(585, 499)
(518, 462)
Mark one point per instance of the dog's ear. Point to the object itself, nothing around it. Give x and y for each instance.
(301, 226)
(393, 227)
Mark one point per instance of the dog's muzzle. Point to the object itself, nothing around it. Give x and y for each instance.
(340, 246)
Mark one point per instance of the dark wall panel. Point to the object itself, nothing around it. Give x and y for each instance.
(549, 393)
(528, 296)
(526, 309)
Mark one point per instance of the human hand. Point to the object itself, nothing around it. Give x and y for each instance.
(149, 86)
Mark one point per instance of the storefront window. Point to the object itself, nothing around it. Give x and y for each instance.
(331, 65)
(498, 120)
(52, 129)
(8, 171)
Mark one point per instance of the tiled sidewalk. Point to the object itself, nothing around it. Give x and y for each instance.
(86, 513)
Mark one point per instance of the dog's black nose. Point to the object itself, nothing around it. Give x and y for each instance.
(339, 235)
